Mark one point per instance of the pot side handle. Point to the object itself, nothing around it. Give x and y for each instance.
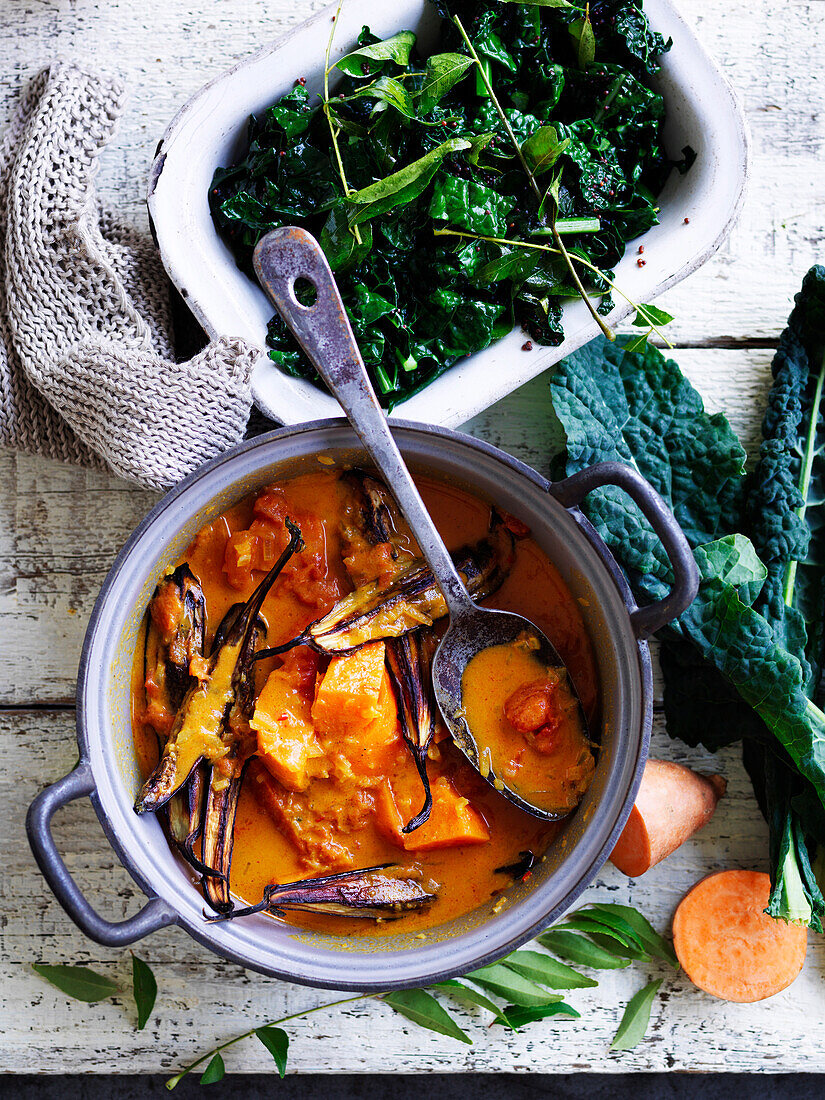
(644, 620)
(77, 784)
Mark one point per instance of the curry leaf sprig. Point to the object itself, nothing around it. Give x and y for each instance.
(81, 983)
(521, 989)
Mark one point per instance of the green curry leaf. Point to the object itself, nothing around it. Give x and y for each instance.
(548, 971)
(579, 949)
(543, 148)
(423, 1009)
(144, 989)
(276, 1041)
(79, 982)
(636, 1017)
(402, 186)
(442, 72)
(367, 60)
(214, 1072)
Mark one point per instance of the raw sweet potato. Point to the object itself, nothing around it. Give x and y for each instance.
(729, 946)
(672, 804)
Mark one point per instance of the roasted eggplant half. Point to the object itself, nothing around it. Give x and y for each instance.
(174, 646)
(365, 893)
(175, 636)
(197, 733)
(184, 816)
(408, 660)
(376, 611)
(226, 776)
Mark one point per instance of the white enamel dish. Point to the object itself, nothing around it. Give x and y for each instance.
(210, 131)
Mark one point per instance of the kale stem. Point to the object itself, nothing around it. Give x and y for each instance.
(173, 1081)
(557, 252)
(615, 88)
(499, 109)
(805, 478)
(356, 232)
(520, 154)
(608, 332)
(570, 225)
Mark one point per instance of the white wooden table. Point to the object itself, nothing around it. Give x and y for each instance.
(61, 529)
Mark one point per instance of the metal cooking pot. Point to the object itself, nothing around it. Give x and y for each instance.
(108, 773)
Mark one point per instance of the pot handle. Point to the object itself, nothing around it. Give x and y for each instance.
(78, 783)
(644, 620)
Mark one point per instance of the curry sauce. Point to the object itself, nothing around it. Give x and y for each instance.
(329, 782)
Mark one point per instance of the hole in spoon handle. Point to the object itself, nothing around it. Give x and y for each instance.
(293, 270)
(290, 255)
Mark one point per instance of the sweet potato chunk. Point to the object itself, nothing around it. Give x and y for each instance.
(452, 822)
(673, 803)
(369, 746)
(348, 695)
(286, 737)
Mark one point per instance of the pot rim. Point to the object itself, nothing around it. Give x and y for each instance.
(587, 874)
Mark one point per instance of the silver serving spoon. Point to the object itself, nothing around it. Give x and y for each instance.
(289, 255)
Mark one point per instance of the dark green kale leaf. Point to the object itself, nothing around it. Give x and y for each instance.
(420, 148)
(623, 25)
(785, 500)
(638, 408)
(465, 204)
(736, 662)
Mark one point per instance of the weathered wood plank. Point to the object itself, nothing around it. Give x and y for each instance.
(166, 51)
(62, 528)
(203, 1000)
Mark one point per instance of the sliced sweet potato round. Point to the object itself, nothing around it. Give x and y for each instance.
(728, 946)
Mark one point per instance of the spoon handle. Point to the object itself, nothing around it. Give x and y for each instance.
(323, 331)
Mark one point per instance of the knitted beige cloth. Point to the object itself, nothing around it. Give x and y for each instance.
(87, 373)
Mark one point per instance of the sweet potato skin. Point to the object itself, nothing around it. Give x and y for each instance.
(672, 804)
(728, 946)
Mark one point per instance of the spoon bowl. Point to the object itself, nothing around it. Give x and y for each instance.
(467, 635)
(322, 328)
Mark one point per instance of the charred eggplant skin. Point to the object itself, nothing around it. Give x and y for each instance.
(207, 705)
(366, 893)
(412, 599)
(408, 660)
(376, 510)
(175, 634)
(223, 791)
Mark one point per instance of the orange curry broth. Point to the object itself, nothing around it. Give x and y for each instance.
(346, 819)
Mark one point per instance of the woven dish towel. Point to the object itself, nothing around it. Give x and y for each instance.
(87, 372)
